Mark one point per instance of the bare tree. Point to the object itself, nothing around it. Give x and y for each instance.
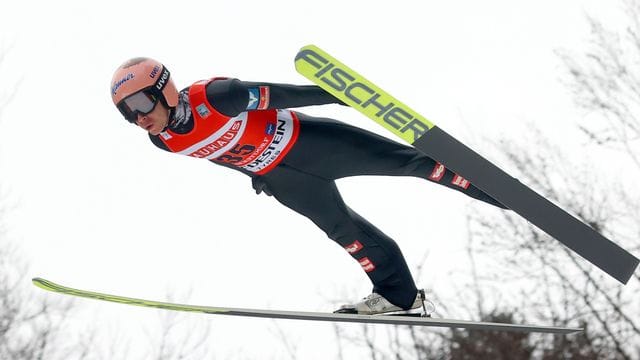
(555, 285)
(520, 273)
(35, 325)
(31, 326)
(180, 336)
(606, 83)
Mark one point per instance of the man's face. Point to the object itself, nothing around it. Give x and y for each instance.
(155, 121)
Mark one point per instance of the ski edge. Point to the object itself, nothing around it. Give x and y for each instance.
(312, 316)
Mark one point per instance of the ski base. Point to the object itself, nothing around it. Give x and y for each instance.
(407, 320)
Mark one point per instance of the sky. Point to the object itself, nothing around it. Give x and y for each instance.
(96, 206)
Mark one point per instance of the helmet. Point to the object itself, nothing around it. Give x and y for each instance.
(143, 75)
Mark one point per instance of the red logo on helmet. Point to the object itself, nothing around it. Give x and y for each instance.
(354, 248)
(460, 181)
(367, 265)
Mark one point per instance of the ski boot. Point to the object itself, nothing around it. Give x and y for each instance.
(376, 304)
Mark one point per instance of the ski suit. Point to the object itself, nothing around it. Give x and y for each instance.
(296, 159)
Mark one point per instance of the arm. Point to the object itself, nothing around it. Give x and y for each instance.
(232, 96)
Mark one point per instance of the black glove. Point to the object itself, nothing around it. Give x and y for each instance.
(260, 186)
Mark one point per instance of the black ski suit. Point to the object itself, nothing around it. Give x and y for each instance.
(327, 150)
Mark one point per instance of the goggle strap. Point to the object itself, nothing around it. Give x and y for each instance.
(163, 80)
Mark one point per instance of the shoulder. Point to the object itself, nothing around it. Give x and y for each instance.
(228, 96)
(224, 87)
(155, 139)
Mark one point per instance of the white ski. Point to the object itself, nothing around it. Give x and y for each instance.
(301, 315)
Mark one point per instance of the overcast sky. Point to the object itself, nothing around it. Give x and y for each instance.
(97, 206)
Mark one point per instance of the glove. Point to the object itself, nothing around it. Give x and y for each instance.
(260, 186)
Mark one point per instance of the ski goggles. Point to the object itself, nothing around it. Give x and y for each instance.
(139, 103)
(145, 100)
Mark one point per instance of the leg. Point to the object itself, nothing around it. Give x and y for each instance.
(319, 200)
(333, 150)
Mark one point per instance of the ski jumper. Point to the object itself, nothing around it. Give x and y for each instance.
(296, 159)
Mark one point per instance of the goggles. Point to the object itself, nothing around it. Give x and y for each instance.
(145, 100)
(140, 103)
